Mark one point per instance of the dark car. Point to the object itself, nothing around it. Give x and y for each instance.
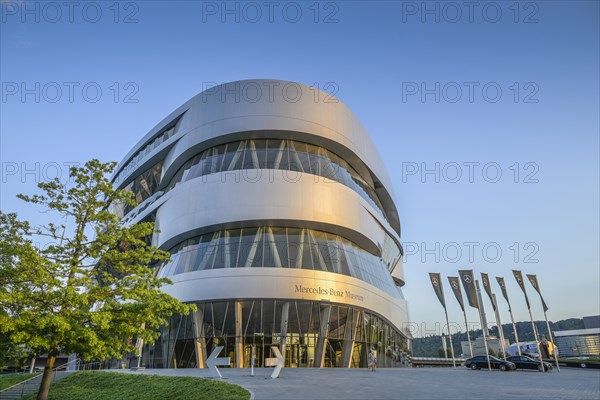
(530, 355)
(479, 362)
(524, 362)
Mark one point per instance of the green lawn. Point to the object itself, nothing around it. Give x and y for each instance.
(121, 386)
(8, 380)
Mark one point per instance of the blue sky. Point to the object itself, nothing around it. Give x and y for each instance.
(379, 56)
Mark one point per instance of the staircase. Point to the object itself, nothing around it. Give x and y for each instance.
(31, 385)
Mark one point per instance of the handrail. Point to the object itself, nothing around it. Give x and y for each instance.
(54, 370)
(82, 367)
(65, 364)
(20, 383)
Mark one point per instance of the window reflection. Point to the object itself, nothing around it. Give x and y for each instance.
(142, 187)
(261, 321)
(277, 154)
(144, 151)
(280, 247)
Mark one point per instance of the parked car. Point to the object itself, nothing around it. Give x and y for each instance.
(524, 362)
(530, 355)
(581, 362)
(479, 362)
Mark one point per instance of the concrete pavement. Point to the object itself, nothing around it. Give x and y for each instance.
(406, 383)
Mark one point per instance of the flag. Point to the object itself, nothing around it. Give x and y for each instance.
(488, 288)
(469, 284)
(437, 286)
(536, 286)
(455, 285)
(503, 288)
(519, 278)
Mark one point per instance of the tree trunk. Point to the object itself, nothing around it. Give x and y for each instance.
(47, 377)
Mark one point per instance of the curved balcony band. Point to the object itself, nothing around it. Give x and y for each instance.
(222, 200)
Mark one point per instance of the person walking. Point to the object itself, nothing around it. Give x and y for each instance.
(372, 361)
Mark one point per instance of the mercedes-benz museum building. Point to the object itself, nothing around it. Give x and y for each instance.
(280, 219)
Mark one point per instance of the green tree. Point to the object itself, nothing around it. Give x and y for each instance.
(441, 352)
(11, 354)
(90, 291)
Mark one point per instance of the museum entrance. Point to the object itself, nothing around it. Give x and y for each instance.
(320, 335)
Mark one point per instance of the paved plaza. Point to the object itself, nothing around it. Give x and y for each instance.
(407, 383)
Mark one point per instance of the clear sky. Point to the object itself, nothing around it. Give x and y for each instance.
(469, 91)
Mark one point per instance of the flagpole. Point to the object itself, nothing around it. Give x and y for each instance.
(483, 324)
(514, 329)
(519, 277)
(554, 348)
(502, 284)
(450, 336)
(455, 284)
(537, 342)
(499, 324)
(468, 335)
(488, 289)
(439, 291)
(533, 280)
(444, 348)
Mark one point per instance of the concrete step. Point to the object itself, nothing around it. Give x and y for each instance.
(21, 390)
(31, 386)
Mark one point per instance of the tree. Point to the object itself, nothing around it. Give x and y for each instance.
(441, 353)
(428, 346)
(91, 290)
(11, 355)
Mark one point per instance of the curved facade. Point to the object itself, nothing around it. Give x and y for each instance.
(280, 219)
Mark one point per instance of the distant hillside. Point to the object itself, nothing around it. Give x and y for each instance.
(428, 346)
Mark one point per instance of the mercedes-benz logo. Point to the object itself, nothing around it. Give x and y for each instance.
(467, 278)
(454, 285)
(434, 281)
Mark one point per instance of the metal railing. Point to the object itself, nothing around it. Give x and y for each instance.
(23, 384)
(435, 361)
(91, 366)
(77, 362)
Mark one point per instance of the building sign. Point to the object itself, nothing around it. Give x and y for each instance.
(325, 291)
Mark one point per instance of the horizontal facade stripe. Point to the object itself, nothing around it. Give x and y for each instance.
(271, 196)
(248, 283)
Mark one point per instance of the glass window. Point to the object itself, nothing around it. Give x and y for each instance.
(294, 238)
(295, 163)
(221, 252)
(302, 153)
(144, 186)
(247, 248)
(280, 239)
(261, 152)
(277, 154)
(280, 247)
(256, 254)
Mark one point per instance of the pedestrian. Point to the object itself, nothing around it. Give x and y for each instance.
(372, 361)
